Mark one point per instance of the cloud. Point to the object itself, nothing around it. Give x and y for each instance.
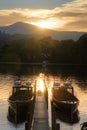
(75, 15)
(69, 16)
(27, 15)
(10, 17)
(75, 26)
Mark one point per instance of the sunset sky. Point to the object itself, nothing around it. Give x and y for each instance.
(69, 15)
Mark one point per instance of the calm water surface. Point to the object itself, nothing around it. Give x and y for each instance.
(76, 75)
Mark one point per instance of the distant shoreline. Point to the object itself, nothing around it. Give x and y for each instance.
(40, 63)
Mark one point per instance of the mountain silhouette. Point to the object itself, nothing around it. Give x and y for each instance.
(25, 28)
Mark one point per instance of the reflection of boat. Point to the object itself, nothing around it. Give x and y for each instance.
(63, 97)
(19, 102)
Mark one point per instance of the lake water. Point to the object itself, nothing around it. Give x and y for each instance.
(77, 75)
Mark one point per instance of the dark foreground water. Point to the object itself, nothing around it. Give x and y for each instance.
(76, 74)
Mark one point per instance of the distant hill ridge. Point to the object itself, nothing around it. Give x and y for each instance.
(25, 28)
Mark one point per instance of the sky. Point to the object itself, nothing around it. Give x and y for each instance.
(64, 15)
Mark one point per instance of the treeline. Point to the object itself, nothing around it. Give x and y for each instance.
(24, 48)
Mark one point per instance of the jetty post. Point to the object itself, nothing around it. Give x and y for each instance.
(53, 116)
(55, 125)
(28, 122)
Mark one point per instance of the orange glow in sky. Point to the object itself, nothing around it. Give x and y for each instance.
(44, 24)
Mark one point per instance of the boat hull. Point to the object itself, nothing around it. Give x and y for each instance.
(18, 111)
(67, 117)
(66, 107)
(16, 106)
(64, 100)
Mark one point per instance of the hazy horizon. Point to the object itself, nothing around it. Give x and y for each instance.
(59, 15)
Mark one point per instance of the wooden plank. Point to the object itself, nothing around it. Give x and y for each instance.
(40, 113)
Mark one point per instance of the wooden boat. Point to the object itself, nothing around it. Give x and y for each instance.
(19, 102)
(64, 99)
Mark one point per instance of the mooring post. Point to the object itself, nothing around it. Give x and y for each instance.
(57, 126)
(28, 122)
(16, 114)
(26, 125)
(53, 116)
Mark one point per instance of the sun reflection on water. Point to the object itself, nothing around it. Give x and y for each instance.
(40, 83)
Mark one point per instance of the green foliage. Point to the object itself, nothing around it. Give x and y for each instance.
(21, 48)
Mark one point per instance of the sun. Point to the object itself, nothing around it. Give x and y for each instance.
(53, 24)
(44, 24)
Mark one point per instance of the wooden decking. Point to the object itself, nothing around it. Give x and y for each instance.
(40, 118)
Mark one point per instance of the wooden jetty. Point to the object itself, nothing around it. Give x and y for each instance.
(40, 118)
